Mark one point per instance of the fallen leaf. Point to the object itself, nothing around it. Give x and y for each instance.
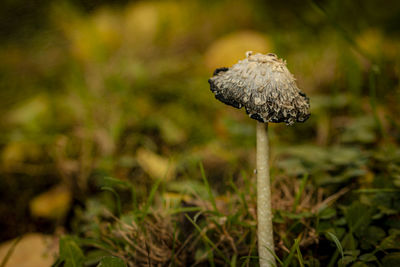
(52, 204)
(173, 200)
(29, 111)
(31, 251)
(16, 153)
(227, 50)
(171, 132)
(141, 22)
(155, 165)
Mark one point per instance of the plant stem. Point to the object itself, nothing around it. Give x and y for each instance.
(264, 211)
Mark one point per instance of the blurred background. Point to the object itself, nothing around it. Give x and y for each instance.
(97, 88)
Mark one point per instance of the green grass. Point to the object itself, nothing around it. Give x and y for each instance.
(83, 94)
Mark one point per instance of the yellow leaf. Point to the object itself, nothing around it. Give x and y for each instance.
(29, 111)
(15, 153)
(171, 132)
(52, 204)
(141, 22)
(106, 25)
(155, 165)
(377, 44)
(91, 38)
(32, 250)
(173, 200)
(227, 50)
(371, 41)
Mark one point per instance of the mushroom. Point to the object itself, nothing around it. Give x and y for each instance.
(263, 85)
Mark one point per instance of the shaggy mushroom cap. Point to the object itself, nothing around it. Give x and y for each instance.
(264, 86)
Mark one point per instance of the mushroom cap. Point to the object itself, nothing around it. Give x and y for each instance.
(264, 86)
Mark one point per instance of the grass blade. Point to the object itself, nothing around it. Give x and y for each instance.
(10, 251)
(293, 250)
(240, 194)
(111, 261)
(333, 237)
(299, 194)
(234, 260)
(117, 198)
(207, 240)
(151, 197)
(210, 194)
(184, 210)
(173, 255)
(300, 256)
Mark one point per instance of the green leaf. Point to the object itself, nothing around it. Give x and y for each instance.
(344, 155)
(292, 166)
(326, 213)
(360, 130)
(359, 264)
(94, 256)
(358, 217)
(350, 242)
(391, 260)
(372, 237)
(346, 260)
(368, 257)
(354, 252)
(111, 261)
(70, 252)
(391, 242)
(350, 256)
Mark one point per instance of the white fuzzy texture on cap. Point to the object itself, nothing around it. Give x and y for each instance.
(264, 86)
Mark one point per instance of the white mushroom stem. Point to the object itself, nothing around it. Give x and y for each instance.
(264, 211)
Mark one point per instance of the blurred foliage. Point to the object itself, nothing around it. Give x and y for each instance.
(106, 114)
